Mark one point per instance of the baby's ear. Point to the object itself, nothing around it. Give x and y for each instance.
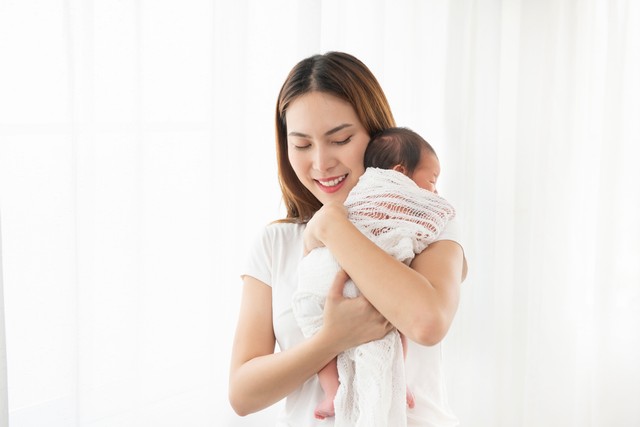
(400, 168)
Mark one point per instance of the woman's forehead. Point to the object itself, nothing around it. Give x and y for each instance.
(319, 112)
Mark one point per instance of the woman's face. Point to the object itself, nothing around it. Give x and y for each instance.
(326, 145)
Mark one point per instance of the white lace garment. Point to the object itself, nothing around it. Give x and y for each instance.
(403, 219)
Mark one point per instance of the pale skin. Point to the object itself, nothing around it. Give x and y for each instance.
(420, 301)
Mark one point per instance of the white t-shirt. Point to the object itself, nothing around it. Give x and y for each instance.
(273, 260)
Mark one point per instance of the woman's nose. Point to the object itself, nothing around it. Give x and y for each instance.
(323, 159)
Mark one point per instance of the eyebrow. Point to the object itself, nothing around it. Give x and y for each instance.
(327, 133)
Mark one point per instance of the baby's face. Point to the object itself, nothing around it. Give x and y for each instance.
(427, 172)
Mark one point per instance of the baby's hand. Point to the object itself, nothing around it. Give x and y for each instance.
(322, 219)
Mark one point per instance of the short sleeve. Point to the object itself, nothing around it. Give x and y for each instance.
(452, 231)
(258, 263)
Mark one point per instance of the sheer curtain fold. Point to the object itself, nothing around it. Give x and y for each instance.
(4, 400)
(536, 121)
(136, 163)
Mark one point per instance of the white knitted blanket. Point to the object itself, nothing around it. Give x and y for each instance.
(403, 219)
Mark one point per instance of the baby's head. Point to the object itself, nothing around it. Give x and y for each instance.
(405, 151)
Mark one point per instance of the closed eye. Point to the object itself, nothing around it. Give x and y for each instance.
(344, 141)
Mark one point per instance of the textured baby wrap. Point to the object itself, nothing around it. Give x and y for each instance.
(403, 219)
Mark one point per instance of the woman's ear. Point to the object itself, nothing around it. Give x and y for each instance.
(400, 168)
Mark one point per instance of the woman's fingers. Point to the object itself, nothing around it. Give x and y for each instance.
(337, 287)
(363, 322)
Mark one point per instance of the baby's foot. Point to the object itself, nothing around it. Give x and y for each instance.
(324, 410)
(411, 401)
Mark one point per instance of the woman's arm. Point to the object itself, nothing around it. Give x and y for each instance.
(259, 377)
(420, 300)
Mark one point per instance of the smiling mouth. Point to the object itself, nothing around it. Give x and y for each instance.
(331, 182)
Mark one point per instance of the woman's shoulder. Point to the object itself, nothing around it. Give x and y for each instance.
(280, 233)
(272, 249)
(283, 229)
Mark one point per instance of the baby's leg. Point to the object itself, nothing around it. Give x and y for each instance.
(411, 402)
(328, 377)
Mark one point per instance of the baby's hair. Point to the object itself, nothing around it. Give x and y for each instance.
(396, 146)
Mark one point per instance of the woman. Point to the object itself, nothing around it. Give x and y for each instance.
(328, 108)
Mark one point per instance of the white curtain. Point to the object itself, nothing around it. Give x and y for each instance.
(4, 401)
(137, 161)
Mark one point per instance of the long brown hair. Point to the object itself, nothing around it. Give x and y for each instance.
(341, 75)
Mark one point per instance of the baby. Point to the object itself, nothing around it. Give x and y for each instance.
(395, 204)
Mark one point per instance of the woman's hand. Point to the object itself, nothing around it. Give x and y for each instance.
(259, 377)
(351, 321)
(326, 215)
